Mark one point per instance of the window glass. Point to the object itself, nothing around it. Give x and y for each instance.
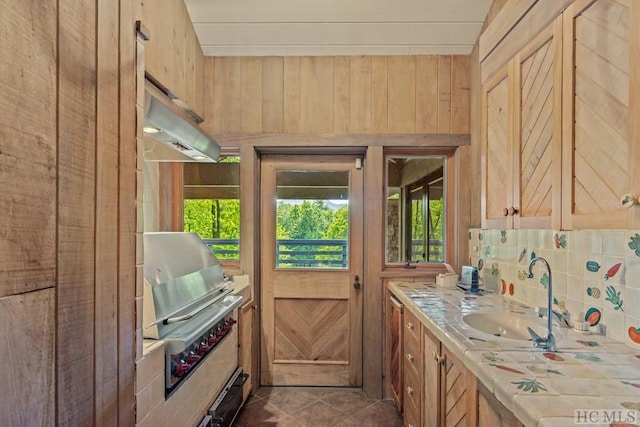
(415, 209)
(312, 219)
(212, 205)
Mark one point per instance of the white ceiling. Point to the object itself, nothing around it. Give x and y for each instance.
(337, 27)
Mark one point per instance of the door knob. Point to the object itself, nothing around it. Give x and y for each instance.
(357, 282)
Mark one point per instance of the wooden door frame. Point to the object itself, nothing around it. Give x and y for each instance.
(356, 262)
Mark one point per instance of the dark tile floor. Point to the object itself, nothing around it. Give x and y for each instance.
(311, 407)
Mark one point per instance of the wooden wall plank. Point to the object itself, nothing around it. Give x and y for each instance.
(251, 95)
(427, 94)
(272, 95)
(76, 212)
(460, 93)
(502, 24)
(106, 235)
(189, 61)
(208, 96)
(379, 94)
(341, 91)
(444, 94)
(27, 325)
(316, 95)
(227, 94)
(291, 95)
(373, 291)
(198, 80)
(360, 95)
(28, 153)
(402, 94)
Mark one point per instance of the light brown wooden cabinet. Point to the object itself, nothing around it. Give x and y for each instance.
(412, 370)
(395, 359)
(600, 140)
(245, 344)
(558, 140)
(449, 388)
(521, 137)
(492, 413)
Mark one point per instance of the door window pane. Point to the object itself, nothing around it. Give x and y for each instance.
(312, 219)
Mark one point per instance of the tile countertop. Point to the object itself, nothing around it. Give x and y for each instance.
(589, 371)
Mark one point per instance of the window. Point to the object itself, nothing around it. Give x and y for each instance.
(212, 205)
(312, 219)
(415, 212)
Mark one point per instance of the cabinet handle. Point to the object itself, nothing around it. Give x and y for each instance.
(409, 391)
(505, 212)
(410, 357)
(410, 326)
(513, 211)
(438, 359)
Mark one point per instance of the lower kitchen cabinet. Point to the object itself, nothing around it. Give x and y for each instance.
(492, 413)
(432, 361)
(413, 371)
(395, 355)
(245, 348)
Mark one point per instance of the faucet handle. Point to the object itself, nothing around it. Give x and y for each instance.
(534, 336)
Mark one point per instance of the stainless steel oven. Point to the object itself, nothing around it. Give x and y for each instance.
(188, 304)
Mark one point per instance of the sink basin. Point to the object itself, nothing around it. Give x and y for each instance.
(505, 325)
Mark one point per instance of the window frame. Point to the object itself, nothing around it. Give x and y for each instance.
(447, 154)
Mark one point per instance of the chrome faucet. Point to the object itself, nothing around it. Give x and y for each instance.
(549, 342)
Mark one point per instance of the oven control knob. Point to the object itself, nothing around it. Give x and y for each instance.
(204, 348)
(212, 339)
(192, 358)
(182, 368)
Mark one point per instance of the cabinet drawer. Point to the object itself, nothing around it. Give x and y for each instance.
(411, 326)
(412, 357)
(412, 387)
(411, 415)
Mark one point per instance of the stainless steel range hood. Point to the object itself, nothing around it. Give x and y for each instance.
(170, 135)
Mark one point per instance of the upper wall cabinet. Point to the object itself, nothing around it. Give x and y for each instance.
(173, 55)
(559, 145)
(521, 137)
(497, 127)
(599, 152)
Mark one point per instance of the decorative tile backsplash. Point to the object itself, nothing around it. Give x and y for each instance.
(595, 273)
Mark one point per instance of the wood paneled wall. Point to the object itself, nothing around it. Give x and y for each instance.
(337, 95)
(67, 253)
(173, 55)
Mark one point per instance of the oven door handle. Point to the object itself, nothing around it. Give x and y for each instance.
(189, 315)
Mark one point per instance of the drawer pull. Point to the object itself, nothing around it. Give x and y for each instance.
(410, 357)
(410, 326)
(409, 391)
(438, 359)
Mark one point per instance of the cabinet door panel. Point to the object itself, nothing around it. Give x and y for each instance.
(431, 389)
(537, 154)
(496, 155)
(596, 129)
(454, 391)
(245, 338)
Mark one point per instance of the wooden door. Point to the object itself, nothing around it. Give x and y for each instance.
(599, 145)
(497, 164)
(537, 82)
(311, 303)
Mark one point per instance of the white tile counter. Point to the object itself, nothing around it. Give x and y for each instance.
(589, 371)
